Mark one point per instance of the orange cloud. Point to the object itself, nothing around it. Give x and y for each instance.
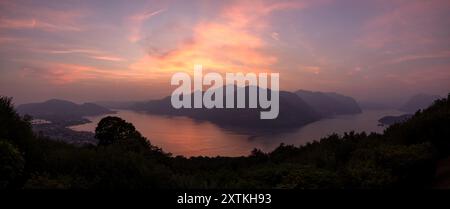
(233, 41)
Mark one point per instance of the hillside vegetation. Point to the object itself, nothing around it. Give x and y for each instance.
(404, 156)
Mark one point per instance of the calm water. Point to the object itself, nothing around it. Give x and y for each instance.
(184, 136)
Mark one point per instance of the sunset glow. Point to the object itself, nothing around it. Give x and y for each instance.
(129, 50)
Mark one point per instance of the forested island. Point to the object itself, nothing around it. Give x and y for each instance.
(406, 155)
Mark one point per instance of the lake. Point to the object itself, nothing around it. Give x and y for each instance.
(188, 137)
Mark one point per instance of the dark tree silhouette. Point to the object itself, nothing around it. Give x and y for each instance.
(406, 155)
(112, 130)
(12, 163)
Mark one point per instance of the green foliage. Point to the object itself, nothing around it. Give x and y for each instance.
(430, 125)
(404, 156)
(12, 126)
(12, 164)
(310, 178)
(391, 165)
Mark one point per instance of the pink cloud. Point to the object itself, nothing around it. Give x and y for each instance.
(63, 73)
(275, 36)
(34, 24)
(88, 52)
(244, 13)
(135, 23)
(108, 58)
(412, 22)
(407, 58)
(310, 69)
(431, 75)
(9, 39)
(18, 16)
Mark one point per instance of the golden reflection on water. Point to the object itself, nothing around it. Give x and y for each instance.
(184, 136)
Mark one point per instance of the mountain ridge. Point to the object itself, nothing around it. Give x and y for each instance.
(329, 103)
(418, 101)
(293, 112)
(62, 111)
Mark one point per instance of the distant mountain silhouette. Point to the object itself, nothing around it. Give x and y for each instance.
(418, 101)
(293, 112)
(62, 111)
(329, 103)
(117, 104)
(371, 105)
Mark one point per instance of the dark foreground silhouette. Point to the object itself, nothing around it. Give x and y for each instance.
(404, 156)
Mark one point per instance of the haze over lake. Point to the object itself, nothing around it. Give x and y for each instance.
(188, 137)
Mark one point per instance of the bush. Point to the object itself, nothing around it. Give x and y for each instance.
(11, 164)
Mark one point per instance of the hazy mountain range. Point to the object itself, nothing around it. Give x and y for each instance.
(329, 103)
(415, 103)
(62, 111)
(418, 101)
(295, 110)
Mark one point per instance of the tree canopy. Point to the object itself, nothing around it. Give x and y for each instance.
(112, 130)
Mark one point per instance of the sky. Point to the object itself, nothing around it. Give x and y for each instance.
(377, 50)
